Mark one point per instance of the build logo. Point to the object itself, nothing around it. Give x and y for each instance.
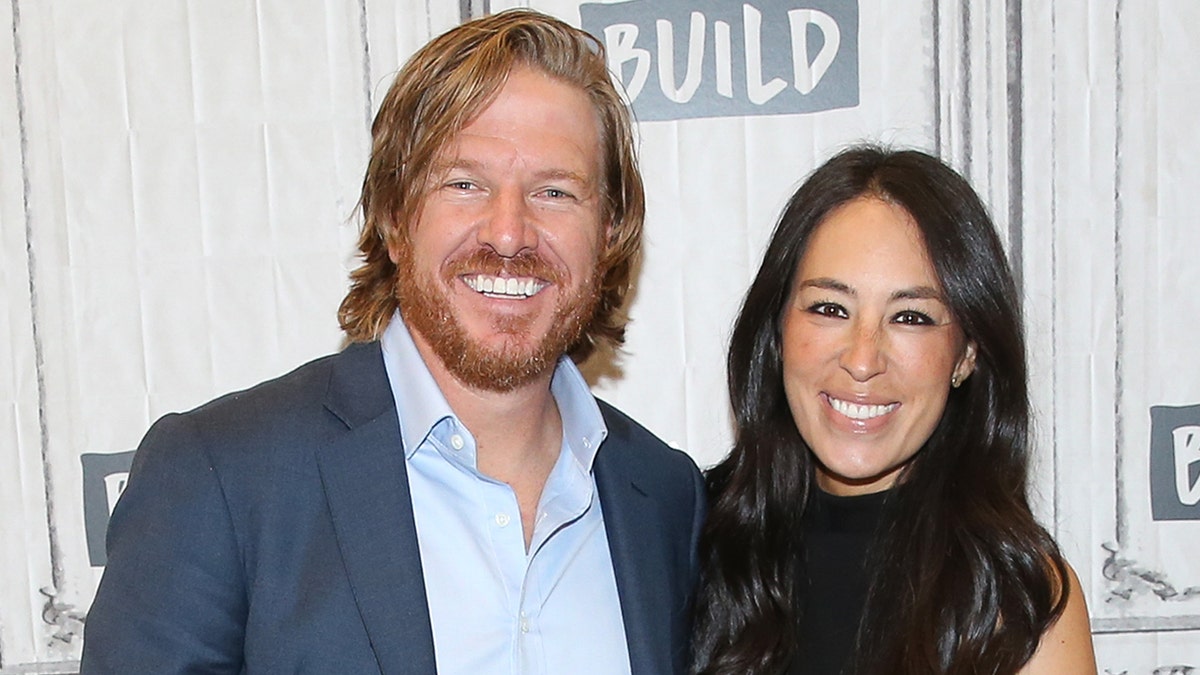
(1175, 462)
(719, 58)
(104, 477)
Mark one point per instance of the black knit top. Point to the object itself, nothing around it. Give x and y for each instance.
(833, 579)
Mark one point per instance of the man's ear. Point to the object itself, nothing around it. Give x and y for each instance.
(393, 240)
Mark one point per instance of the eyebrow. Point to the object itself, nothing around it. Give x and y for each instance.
(564, 174)
(914, 293)
(827, 284)
(456, 163)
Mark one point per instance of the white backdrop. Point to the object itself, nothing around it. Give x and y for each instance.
(177, 182)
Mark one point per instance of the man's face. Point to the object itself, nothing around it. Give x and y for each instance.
(499, 275)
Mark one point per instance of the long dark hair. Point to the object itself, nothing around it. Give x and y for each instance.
(963, 579)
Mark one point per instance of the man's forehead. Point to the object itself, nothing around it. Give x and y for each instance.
(544, 157)
(454, 160)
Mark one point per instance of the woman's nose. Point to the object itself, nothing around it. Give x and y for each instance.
(863, 356)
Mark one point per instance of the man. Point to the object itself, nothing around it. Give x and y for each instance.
(445, 493)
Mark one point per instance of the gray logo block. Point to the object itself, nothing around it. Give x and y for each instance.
(1175, 462)
(104, 478)
(718, 58)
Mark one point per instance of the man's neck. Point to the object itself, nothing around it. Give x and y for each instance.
(510, 428)
(518, 433)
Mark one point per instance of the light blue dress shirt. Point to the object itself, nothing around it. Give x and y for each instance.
(494, 607)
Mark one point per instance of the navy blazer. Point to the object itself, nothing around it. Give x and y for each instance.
(271, 530)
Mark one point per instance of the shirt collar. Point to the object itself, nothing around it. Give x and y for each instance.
(421, 405)
(583, 425)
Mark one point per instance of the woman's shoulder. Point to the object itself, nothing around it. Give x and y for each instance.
(1066, 646)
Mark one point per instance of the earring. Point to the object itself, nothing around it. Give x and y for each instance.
(954, 382)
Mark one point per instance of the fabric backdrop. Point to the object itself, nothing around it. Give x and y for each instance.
(177, 191)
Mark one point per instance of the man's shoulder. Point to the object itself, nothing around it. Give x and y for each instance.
(632, 455)
(634, 445)
(305, 382)
(288, 405)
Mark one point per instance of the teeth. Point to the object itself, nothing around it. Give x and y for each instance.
(504, 287)
(860, 412)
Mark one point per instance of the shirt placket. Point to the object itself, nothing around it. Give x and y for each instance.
(564, 499)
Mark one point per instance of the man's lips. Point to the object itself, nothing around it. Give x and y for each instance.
(515, 278)
(517, 288)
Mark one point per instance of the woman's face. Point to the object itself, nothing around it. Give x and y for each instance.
(869, 346)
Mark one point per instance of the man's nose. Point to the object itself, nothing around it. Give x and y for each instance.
(508, 228)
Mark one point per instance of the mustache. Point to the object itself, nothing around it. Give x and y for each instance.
(486, 261)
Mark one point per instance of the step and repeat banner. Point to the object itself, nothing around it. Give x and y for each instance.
(177, 192)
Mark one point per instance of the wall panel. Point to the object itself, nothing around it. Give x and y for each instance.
(178, 179)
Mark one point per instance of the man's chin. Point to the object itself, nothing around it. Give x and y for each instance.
(492, 358)
(505, 341)
(500, 367)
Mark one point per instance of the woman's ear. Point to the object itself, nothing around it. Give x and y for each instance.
(965, 365)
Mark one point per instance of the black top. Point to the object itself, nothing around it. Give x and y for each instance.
(833, 579)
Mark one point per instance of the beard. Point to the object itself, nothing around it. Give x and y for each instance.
(520, 356)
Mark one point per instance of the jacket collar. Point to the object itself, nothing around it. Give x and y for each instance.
(366, 486)
(642, 575)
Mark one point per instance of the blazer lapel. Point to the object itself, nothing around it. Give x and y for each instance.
(366, 485)
(643, 581)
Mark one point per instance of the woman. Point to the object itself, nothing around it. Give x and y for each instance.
(872, 516)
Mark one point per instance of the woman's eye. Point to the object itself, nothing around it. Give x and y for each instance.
(555, 193)
(828, 309)
(911, 318)
(460, 185)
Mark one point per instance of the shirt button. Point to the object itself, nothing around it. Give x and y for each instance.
(524, 626)
(456, 442)
(587, 443)
(502, 519)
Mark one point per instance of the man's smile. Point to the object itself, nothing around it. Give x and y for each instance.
(504, 287)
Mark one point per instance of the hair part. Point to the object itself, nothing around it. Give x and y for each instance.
(963, 579)
(440, 90)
